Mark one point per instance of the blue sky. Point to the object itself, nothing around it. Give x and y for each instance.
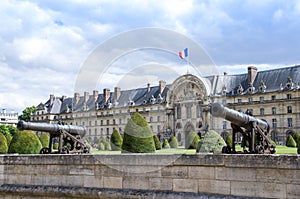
(44, 43)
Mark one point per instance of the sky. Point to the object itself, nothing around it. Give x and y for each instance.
(45, 44)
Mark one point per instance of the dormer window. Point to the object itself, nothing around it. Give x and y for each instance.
(262, 86)
(224, 90)
(152, 100)
(240, 89)
(251, 89)
(289, 83)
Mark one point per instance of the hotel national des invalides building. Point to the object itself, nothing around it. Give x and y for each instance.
(183, 106)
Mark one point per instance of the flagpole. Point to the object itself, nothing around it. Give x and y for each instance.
(188, 63)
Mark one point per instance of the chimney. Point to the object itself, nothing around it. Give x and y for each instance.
(106, 94)
(51, 99)
(76, 98)
(148, 87)
(252, 72)
(117, 93)
(162, 85)
(86, 96)
(95, 95)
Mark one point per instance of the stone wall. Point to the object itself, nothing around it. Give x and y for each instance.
(150, 176)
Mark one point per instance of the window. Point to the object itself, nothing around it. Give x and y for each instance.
(158, 128)
(274, 123)
(114, 122)
(158, 118)
(290, 122)
(262, 111)
(96, 123)
(101, 122)
(250, 99)
(120, 120)
(107, 122)
(239, 101)
(224, 125)
(179, 112)
(107, 131)
(95, 131)
(199, 111)
(273, 97)
(289, 109)
(261, 99)
(289, 96)
(90, 123)
(151, 119)
(273, 110)
(188, 111)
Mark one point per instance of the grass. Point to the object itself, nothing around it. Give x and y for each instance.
(181, 150)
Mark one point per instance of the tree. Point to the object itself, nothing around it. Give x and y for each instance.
(116, 141)
(192, 140)
(26, 113)
(25, 142)
(4, 129)
(211, 142)
(138, 136)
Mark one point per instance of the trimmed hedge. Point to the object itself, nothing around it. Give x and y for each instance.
(45, 139)
(192, 140)
(3, 144)
(211, 142)
(138, 136)
(173, 142)
(157, 142)
(116, 141)
(296, 137)
(25, 142)
(290, 142)
(165, 144)
(228, 141)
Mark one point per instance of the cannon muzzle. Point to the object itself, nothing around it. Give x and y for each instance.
(51, 128)
(236, 117)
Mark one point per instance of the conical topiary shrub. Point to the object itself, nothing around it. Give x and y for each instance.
(192, 140)
(45, 139)
(290, 142)
(138, 136)
(116, 141)
(211, 142)
(157, 142)
(296, 137)
(173, 142)
(25, 142)
(3, 144)
(165, 144)
(228, 141)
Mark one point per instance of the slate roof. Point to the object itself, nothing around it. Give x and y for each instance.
(274, 80)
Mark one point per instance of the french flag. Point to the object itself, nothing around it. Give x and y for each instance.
(183, 54)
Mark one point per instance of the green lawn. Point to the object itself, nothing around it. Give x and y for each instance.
(182, 150)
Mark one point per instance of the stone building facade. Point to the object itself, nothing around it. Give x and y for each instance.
(183, 106)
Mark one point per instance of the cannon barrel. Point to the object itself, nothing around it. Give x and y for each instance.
(51, 128)
(236, 117)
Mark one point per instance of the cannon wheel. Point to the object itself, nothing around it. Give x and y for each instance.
(65, 150)
(45, 151)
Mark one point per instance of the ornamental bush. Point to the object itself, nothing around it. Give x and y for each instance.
(8, 139)
(101, 147)
(138, 136)
(296, 137)
(228, 141)
(173, 142)
(290, 142)
(211, 142)
(157, 142)
(25, 142)
(116, 141)
(45, 139)
(3, 144)
(165, 144)
(192, 140)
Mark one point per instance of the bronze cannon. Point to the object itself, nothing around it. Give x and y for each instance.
(70, 138)
(253, 130)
